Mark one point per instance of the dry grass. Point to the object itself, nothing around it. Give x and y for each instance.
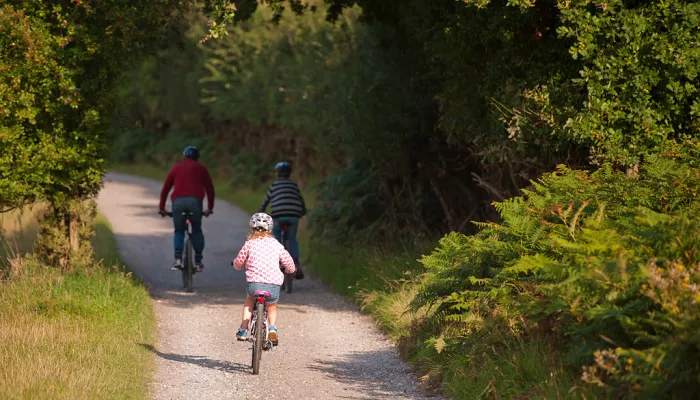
(61, 357)
(78, 335)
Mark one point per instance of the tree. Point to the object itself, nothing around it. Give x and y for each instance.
(58, 62)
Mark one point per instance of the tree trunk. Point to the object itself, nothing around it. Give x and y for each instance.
(73, 233)
(443, 203)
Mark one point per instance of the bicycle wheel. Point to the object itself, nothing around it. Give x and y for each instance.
(288, 279)
(188, 268)
(259, 336)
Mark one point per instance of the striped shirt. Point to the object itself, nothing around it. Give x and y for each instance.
(285, 200)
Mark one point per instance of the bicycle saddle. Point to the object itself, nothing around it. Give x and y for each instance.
(262, 293)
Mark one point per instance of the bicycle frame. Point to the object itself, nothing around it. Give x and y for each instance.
(261, 340)
(254, 318)
(188, 267)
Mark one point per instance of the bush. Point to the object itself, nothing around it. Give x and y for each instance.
(604, 264)
(64, 239)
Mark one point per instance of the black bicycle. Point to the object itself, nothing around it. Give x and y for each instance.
(188, 269)
(259, 329)
(288, 278)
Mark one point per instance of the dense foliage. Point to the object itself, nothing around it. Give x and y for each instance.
(428, 108)
(58, 63)
(58, 60)
(424, 113)
(606, 263)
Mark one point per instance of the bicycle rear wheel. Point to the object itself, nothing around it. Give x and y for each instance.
(259, 336)
(188, 268)
(288, 278)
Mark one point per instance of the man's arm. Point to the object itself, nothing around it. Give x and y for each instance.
(167, 185)
(209, 187)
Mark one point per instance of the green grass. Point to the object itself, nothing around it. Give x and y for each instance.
(75, 335)
(514, 370)
(144, 170)
(383, 283)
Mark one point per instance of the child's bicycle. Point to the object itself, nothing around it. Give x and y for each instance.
(288, 278)
(259, 329)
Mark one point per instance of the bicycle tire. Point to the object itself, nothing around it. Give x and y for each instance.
(189, 265)
(259, 336)
(288, 279)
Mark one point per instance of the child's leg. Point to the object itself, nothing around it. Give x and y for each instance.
(246, 314)
(272, 314)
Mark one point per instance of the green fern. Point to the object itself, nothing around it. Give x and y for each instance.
(574, 251)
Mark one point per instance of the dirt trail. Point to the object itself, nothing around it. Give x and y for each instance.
(327, 349)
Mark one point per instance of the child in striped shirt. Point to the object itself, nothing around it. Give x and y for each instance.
(287, 206)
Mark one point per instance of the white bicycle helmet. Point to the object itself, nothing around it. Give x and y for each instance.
(260, 222)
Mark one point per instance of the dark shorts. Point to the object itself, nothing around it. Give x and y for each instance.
(274, 291)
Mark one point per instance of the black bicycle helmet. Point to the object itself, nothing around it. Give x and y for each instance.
(283, 169)
(191, 152)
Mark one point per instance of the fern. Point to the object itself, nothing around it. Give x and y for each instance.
(575, 250)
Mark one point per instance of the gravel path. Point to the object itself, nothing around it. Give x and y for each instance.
(327, 349)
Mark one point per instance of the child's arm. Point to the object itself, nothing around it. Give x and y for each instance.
(303, 203)
(241, 258)
(266, 200)
(287, 261)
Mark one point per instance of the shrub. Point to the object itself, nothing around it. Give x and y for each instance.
(603, 263)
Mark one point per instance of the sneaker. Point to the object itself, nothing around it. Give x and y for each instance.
(299, 274)
(198, 267)
(242, 334)
(177, 265)
(272, 335)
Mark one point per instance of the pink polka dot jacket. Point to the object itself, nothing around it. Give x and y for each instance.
(261, 258)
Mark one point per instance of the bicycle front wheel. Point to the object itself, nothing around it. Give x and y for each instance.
(259, 336)
(188, 268)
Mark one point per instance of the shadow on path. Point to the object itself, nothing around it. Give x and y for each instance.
(200, 361)
(358, 369)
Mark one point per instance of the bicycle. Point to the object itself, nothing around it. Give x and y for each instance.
(188, 269)
(288, 278)
(259, 329)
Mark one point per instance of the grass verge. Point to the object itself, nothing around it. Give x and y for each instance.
(75, 335)
(383, 283)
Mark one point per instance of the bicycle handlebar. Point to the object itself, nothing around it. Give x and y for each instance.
(170, 214)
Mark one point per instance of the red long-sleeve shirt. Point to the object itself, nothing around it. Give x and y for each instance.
(190, 179)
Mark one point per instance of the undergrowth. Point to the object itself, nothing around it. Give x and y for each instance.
(602, 266)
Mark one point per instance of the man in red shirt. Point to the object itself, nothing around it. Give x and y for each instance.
(189, 180)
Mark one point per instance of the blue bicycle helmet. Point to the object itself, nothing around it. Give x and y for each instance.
(191, 152)
(283, 168)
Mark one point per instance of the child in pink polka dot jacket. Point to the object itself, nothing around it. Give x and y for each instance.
(261, 256)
